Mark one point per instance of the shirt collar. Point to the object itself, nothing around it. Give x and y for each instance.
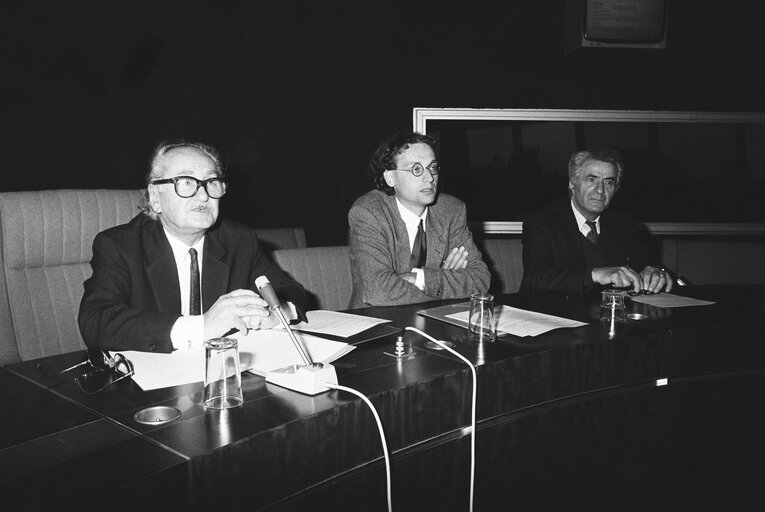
(409, 218)
(181, 250)
(581, 222)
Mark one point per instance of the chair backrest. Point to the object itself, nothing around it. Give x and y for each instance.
(504, 257)
(281, 238)
(325, 272)
(46, 242)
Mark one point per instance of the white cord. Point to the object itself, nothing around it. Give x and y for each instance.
(472, 420)
(382, 435)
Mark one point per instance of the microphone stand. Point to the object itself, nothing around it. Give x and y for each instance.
(298, 345)
(310, 378)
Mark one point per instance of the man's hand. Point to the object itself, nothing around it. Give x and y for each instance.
(457, 259)
(656, 280)
(619, 277)
(240, 309)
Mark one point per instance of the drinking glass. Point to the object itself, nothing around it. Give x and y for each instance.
(223, 381)
(481, 325)
(612, 306)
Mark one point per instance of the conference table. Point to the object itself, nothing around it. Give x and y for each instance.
(664, 413)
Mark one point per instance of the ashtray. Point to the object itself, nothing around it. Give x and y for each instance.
(636, 316)
(436, 346)
(157, 415)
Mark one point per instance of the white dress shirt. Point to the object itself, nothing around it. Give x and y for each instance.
(188, 331)
(582, 222)
(412, 222)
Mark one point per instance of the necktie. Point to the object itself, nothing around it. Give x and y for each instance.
(419, 249)
(195, 306)
(592, 236)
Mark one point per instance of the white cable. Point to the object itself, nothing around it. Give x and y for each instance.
(472, 420)
(382, 435)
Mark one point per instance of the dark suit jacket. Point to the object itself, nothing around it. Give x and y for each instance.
(554, 256)
(379, 246)
(133, 297)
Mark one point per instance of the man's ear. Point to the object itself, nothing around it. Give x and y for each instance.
(154, 203)
(388, 175)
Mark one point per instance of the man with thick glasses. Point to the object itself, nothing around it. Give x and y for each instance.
(408, 243)
(176, 275)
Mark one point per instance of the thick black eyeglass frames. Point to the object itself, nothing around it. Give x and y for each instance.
(187, 186)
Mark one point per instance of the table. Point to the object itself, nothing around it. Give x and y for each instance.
(668, 414)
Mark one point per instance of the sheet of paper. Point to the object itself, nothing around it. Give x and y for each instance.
(263, 354)
(259, 351)
(336, 323)
(668, 300)
(520, 322)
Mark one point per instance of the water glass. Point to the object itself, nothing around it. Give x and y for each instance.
(481, 324)
(612, 306)
(223, 380)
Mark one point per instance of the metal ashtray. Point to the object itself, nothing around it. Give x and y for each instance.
(636, 316)
(436, 346)
(157, 415)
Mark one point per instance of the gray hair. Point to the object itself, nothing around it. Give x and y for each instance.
(607, 155)
(157, 165)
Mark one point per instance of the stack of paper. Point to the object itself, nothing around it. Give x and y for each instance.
(668, 300)
(520, 322)
(259, 352)
(337, 323)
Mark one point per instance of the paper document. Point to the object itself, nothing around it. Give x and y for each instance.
(520, 322)
(259, 352)
(668, 300)
(276, 350)
(336, 323)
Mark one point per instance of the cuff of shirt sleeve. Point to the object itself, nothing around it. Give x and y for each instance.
(419, 278)
(187, 332)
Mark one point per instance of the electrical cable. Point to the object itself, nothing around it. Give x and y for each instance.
(472, 420)
(382, 435)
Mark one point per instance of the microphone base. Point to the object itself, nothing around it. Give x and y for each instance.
(309, 380)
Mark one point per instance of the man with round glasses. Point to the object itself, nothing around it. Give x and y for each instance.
(175, 275)
(408, 243)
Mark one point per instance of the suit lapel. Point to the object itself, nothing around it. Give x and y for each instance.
(571, 235)
(609, 236)
(400, 248)
(214, 270)
(160, 267)
(436, 233)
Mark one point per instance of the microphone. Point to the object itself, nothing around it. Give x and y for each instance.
(269, 295)
(267, 292)
(310, 378)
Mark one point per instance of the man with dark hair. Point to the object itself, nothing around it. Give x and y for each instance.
(175, 275)
(408, 243)
(579, 245)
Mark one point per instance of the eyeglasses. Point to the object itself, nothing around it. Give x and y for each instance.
(187, 186)
(418, 169)
(100, 370)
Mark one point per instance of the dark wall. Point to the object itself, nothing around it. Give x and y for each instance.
(298, 94)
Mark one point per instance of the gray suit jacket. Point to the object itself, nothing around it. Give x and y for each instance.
(380, 252)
